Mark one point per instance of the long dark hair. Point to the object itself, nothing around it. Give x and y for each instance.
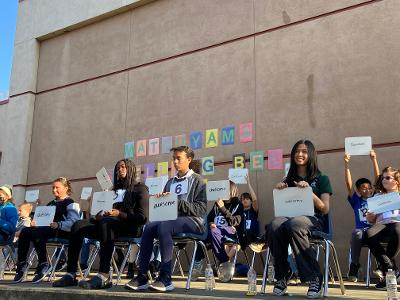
(129, 181)
(312, 164)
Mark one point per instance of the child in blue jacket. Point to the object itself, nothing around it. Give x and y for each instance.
(8, 214)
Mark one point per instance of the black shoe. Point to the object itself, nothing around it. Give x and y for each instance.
(280, 287)
(66, 280)
(41, 271)
(19, 273)
(315, 288)
(353, 272)
(162, 284)
(131, 271)
(95, 283)
(139, 283)
(381, 285)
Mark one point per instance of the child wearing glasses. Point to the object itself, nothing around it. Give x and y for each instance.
(383, 237)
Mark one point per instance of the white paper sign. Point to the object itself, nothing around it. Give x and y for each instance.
(180, 187)
(238, 175)
(119, 196)
(218, 190)
(383, 203)
(104, 179)
(361, 145)
(164, 208)
(32, 196)
(86, 192)
(156, 184)
(102, 201)
(44, 215)
(293, 202)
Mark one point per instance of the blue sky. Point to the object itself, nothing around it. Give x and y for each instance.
(8, 16)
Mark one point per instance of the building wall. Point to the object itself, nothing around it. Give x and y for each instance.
(297, 69)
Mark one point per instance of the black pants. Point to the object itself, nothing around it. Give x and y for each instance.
(38, 236)
(105, 231)
(295, 231)
(379, 234)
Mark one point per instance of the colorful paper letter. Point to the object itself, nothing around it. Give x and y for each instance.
(138, 175)
(162, 168)
(239, 161)
(180, 140)
(196, 140)
(246, 132)
(207, 165)
(149, 170)
(275, 159)
(211, 138)
(154, 146)
(166, 144)
(228, 135)
(257, 161)
(141, 148)
(129, 150)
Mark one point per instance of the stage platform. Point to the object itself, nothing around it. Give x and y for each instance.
(233, 290)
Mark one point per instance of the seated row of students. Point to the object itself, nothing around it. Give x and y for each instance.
(128, 218)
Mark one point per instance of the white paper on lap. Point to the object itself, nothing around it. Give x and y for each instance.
(219, 189)
(44, 215)
(293, 202)
(102, 201)
(361, 145)
(164, 208)
(384, 203)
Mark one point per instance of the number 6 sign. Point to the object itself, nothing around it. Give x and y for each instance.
(180, 187)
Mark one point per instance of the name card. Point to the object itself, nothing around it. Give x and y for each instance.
(361, 145)
(238, 176)
(219, 189)
(383, 203)
(86, 192)
(32, 196)
(44, 215)
(104, 179)
(102, 201)
(156, 184)
(180, 187)
(164, 208)
(293, 202)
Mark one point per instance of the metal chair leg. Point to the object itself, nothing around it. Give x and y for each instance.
(336, 262)
(124, 262)
(191, 266)
(368, 279)
(326, 268)
(53, 266)
(264, 279)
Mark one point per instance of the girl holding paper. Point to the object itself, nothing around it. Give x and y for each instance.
(296, 231)
(386, 228)
(66, 214)
(125, 219)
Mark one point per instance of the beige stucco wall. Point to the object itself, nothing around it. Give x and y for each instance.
(333, 76)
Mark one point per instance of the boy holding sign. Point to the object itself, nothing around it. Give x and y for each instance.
(386, 228)
(358, 200)
(66, 214)
(192, 208)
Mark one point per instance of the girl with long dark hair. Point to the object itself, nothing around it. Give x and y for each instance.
(296, 231)
(125, 219)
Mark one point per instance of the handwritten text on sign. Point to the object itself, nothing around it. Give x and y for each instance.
(163, 208)
(384, 203)
(360, 145)
(102, 201)
(44, 215)
(219, 189)
(293, 202)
